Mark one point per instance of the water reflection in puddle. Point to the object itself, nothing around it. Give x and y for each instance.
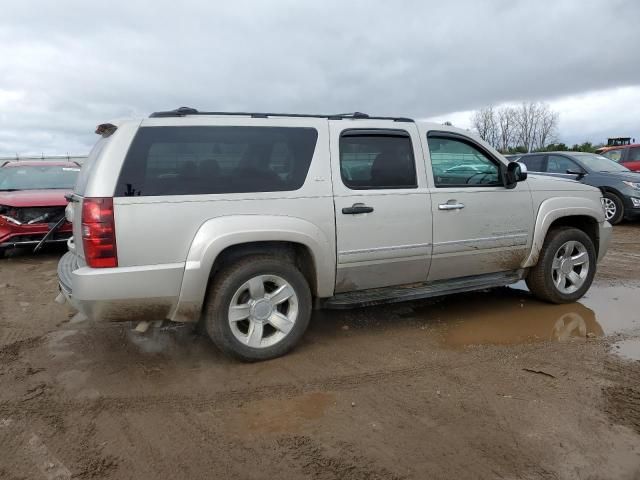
(511, 315)
(629, 349)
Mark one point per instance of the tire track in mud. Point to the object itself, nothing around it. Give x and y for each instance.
(303, 452)
(622, 400)
(202, 402)
(10, 352)
(11, 335)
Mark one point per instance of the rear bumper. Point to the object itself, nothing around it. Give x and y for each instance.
(120, 294)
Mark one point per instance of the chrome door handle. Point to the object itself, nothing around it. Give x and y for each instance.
(357, 208)
(450, 206)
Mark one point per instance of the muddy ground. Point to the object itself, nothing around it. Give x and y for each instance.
(484, 385)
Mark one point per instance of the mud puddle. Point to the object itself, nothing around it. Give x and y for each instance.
(511, 315)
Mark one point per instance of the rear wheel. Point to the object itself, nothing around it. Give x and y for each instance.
(566, 266)
(613, 208)
(258, 308)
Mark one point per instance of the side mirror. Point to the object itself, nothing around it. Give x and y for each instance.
(516, 172)
(579, 173)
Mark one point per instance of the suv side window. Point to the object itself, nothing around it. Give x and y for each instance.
(456, 163)
(203, 160)
(377, 159)
(634, 154)
(560, 164)
(534, 163)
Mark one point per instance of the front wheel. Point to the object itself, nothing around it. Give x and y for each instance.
(565, 268)
(613, 208)
(258, 308)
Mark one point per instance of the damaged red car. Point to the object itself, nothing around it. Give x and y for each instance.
(32, 202)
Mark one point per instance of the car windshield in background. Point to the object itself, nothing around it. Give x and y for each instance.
(32, 177)
(600, 163)
(615, 155)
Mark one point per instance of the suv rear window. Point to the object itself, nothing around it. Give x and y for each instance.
(202, 160)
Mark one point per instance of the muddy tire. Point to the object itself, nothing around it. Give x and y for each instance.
(565, 268)
(614, 208)
(258, 308)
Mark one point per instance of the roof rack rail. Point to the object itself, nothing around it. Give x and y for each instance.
(184, 111)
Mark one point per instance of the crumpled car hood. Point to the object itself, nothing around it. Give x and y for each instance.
(34, 198)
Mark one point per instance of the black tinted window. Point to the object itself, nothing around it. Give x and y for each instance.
(200, 160)
(372, 159)
(534, 163)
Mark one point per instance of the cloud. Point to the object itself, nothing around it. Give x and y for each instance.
(67, 66)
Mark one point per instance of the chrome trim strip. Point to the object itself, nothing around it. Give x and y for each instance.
(385, 249)
(483, 239)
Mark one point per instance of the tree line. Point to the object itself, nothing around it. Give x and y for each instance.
(528, 127)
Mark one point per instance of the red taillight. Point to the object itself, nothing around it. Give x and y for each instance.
(99, 233)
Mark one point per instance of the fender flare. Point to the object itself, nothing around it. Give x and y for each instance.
(559, 207)
(217, 234)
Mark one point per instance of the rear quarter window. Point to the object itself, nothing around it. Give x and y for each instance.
(88, 165)
(210, 160)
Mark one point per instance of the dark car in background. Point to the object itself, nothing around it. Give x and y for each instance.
(32, 201)
(513, 157)
(626, 155)
(620, 186)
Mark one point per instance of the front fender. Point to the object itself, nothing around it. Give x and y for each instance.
(558, 207)
(217, 234)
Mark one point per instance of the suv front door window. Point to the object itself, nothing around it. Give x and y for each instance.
(456, 163)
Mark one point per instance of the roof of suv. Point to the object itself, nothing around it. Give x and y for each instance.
(184, 111)
(39, 163)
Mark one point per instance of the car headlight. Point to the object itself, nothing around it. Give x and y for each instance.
(635, 185)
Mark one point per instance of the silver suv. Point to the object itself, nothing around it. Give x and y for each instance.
(245, 222)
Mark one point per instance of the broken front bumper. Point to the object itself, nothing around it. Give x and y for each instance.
(31, 235)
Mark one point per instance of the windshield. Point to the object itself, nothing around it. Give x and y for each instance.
(600, 163)
(615, 155)
(32, 177)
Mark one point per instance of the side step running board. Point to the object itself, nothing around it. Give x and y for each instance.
(415, 291)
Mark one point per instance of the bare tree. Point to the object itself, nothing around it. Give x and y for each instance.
(531, 125)
(484, 123)
(527, 121)
(547, 126)
(507, 128)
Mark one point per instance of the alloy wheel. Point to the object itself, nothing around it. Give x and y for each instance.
(570, 267)
(610, 208)
(263, 311)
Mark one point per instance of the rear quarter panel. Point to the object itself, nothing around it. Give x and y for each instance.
(161, 230)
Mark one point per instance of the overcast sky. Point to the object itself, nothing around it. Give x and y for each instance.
(67, 66)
